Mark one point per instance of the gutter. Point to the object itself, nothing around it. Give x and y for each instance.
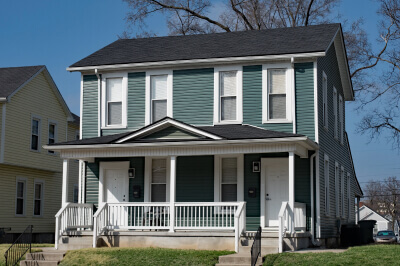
(3, 99)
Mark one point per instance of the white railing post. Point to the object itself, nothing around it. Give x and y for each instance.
(64, 197)
(172, 190)
(57, 231)
(280, 247)
(291, 190)
(95, 232)
(283, 218)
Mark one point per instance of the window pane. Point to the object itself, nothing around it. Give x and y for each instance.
(38, 191)
(76, 193)
(277, 81)
(228, 83)
(277, 106)
(34, 144)
(229, 192)
(51, 131)
(35, 127)
(158, 193)
(228, 108)
(159, 171)
(37, 210)
(20, 189)
(159, 109)
(159, 87)
(20, 206)
(229, 170)
(115, 113)
(114, 89)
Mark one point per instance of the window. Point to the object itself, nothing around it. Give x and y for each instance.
(341, 118)
(342, 191)
(114, 87)
(158, 97)
(159, 180)
(38, 199)
(326, 180)
(77, 136)
(325, 99)
(52, 135)
(349, 205)
(75, 193)
(228, 179)
(35, 134)
(20, 196)
(337, 188)
(335, 113)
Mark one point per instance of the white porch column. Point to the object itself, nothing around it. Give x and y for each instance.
(64, 198)
(172, 190)
(358, 210)
(291, 191)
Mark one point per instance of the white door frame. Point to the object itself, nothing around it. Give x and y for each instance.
(111, 165)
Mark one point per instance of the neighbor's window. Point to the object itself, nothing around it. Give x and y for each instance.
(35, 139)
(229, 179)
(228, 95)
(159, 180)
(277, 94)
(159, 85)
(337, 188)
(114, 101)
(52, 135)
(38, 199)
(341, 118)
(335, 112)
(20, 197)
(325, 100)
(326, 180)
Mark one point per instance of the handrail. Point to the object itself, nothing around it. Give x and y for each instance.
(255, 251)
(282, 229)
(22, 244)
(240, 223)
(96, 222)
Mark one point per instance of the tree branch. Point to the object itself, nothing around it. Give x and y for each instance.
(308, 12)
(237, 11)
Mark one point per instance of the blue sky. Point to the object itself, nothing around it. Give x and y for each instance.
(59, 33)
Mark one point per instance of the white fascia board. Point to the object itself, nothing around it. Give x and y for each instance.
(304, 141)
(163, 124)
(226, 60)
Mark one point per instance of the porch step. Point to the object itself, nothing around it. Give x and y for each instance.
(265, 250)
(47, 258)
(75, 242)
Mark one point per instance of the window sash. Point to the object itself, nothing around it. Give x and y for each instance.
(228, 189)
(335, 112)
(341, 118)
(35, 134)
(228, 90)
(20, 198)
(325, 100)
(114, 98)
(159, 180)
(52, 135)
(38, 199)
(277, 94)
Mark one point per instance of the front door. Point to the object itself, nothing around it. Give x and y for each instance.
(116, 186)
(276, 176)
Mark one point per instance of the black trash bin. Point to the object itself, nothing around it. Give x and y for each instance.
(367, 231)
(350, 235)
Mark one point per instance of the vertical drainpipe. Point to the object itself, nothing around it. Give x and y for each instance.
(99, 102)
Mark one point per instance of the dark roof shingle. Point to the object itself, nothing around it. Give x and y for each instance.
(11, 78)
(309, 39)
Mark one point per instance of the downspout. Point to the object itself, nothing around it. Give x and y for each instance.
(98, 102)
(312, 199)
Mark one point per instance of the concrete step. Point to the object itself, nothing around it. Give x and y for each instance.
(45, 256)
(38, 263)
(267, 241)
(75, 242)
(264, 250)
(237, 259)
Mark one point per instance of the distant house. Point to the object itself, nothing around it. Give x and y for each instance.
(32, 113)
(214, 135)
(382, 222)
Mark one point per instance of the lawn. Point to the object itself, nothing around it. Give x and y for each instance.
(141, 256)
(363, 255)
(35, 248)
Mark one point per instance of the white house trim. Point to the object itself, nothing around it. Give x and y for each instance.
(316, 123)
(105, 166)
(81, 108)
(65, 182)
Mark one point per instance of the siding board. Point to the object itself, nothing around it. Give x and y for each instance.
(90, 107)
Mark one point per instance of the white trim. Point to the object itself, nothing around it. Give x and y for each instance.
(335, 112)
(148, 111)
(316, 122)
(239, 180)
(290, 103)
(42, 200)
(81, 108)
(25, 181)
(100, 108)
(337, 176)
(325, 108)
(122, 165)
(291, 189)
(327, 185)
(3, 132)
(163, 124)
(124, 96)
(39, 119)
(172, 189)
(65, 182)
(193, 62)
(239, 94)
(55, 123)
(81, 179)
(318, 195)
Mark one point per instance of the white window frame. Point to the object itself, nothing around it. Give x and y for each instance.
(148, 176)
(148, 107)
(218, 176)
(335, 112)
(348, 196)
(327, 185)
(239, 94)
(39, 119)
(41, 182)
(325, 114)
(104, 113)
(342, 191)
(337, 191)
(25, 181)
(290, 104)
(341, 118)
(52, 122)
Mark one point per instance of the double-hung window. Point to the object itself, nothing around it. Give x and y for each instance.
(52, 135)
(335, 112)
(20, 196)
(342, 191)
(341, 118)
(229, 179)
(337, 189)
(159, 98)
(38, 199)
(35, 134)
(325, 100)
(159, 180)
(277, 93)
(114, 97)
(326, 181)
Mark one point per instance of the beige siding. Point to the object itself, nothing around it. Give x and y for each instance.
(73, 165)
(51, 204)
(36, 98)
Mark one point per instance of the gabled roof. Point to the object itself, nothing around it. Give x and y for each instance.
(371, 212)
(279, 41)
(13, 79)
(77, 120)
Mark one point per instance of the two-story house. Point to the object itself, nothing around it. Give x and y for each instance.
(207, 137)
(32, 114)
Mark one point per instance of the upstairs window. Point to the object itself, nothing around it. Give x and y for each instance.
(277, 94)
(159, 97)
(341, 118)
(335, 113)
(52, 135)
(35, 134)
(325, 100)
(229, 179)
(228, 95)
(114, 87)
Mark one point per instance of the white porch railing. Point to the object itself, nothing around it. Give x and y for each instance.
(285, 221)
(73, 216)
(157, 216)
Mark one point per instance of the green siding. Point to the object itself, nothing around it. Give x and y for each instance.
(330, 146)
(172, 133)
(302, 185)
(92, 183)
(193, 99)
(195, 179)
(252, 100)
(135, 105)
(304, 80)
(90, 107)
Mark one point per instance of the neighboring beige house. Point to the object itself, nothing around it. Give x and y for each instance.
(32, 113)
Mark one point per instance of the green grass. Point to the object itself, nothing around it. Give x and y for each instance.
(142, 256)
(363, 255)
(35, 248)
